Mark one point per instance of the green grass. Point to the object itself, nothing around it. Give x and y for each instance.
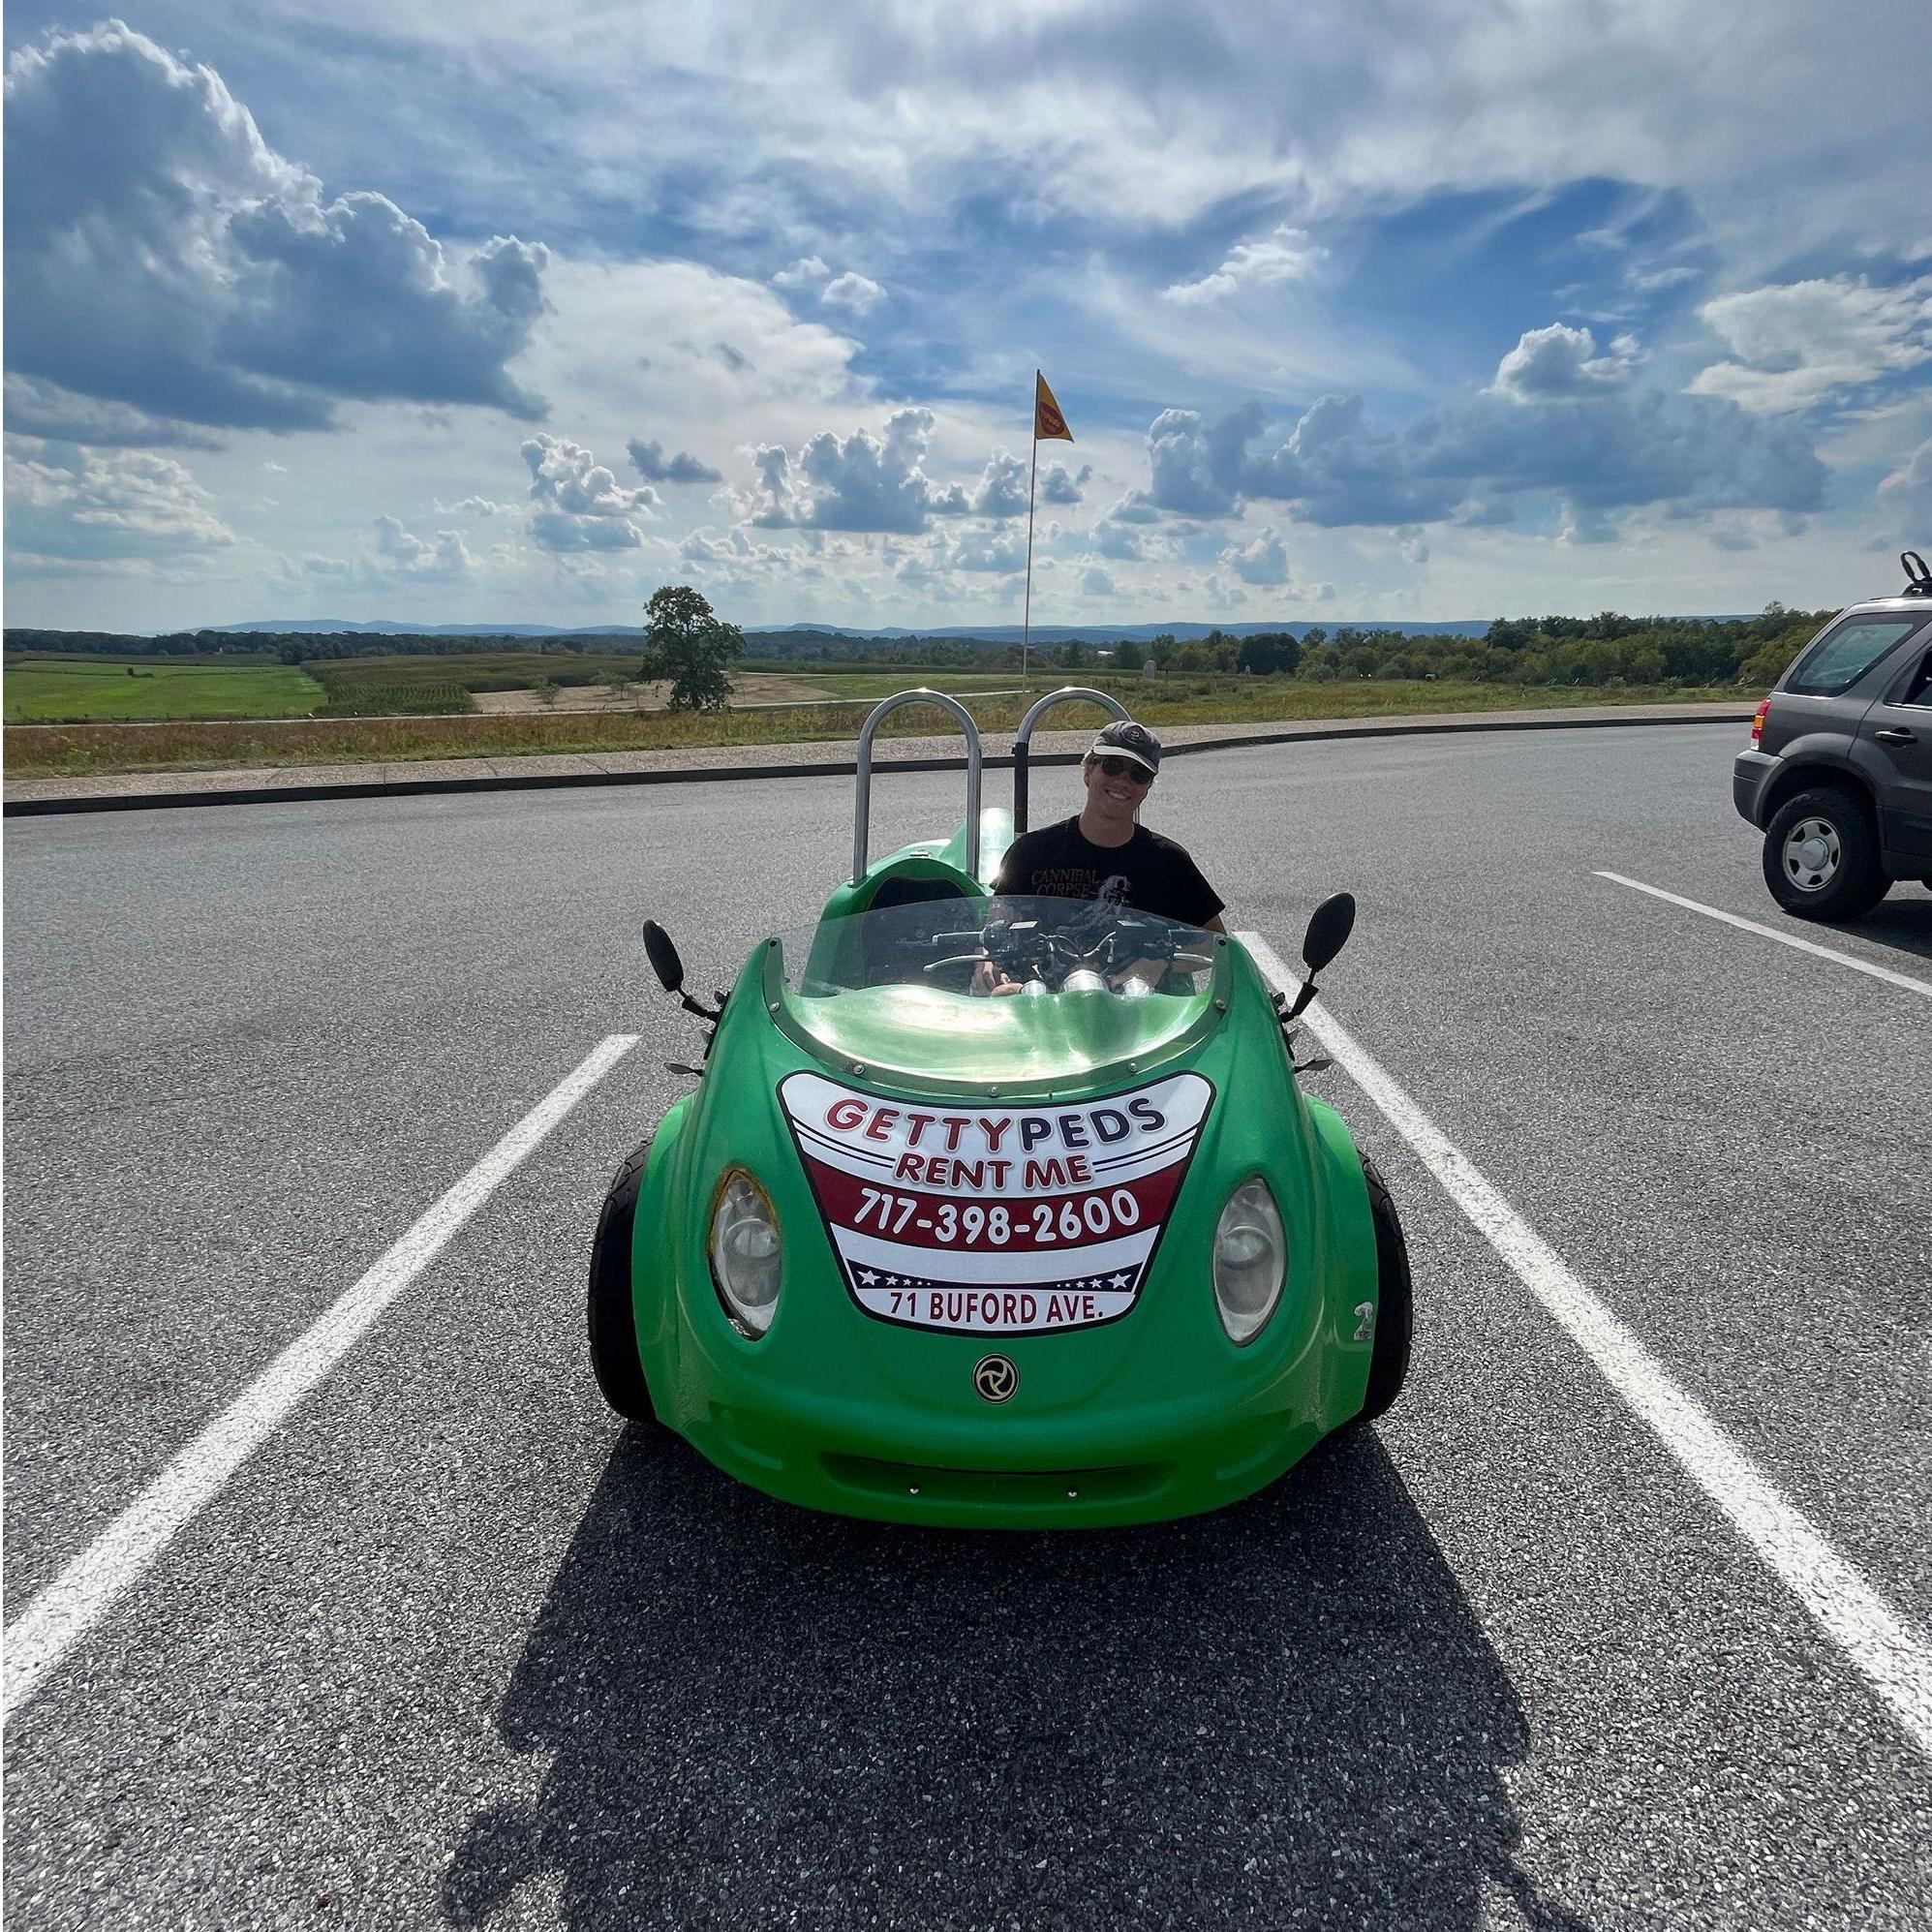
(49, 691)
(83, 750)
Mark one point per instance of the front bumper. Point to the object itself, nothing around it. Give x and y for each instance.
(1007, 1472)
(1750, 780)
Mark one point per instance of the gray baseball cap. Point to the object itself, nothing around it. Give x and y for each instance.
(1124, 739)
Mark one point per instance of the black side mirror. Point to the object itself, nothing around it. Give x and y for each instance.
(670, 971)
(1329, 927)
(665, 960)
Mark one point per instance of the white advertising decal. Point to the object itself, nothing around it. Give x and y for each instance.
(996, 1220)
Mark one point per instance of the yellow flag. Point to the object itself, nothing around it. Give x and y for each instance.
(1049, 425)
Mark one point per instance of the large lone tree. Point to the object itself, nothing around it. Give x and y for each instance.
(691, 648)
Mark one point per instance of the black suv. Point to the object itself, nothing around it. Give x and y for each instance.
(1839, 775)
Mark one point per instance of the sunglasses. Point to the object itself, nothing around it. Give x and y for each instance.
(1124, 768)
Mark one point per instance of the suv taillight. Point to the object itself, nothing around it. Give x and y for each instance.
(1758, 721)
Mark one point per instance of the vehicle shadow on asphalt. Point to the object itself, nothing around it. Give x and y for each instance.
(1903, 922)
(1284, 1714)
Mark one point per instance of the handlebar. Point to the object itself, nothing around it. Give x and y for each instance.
(1023, 951)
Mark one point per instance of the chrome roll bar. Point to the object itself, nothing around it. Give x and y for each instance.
(1023, 738)
(871, 724)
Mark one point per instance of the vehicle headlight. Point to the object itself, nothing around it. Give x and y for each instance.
(1250, 1260)
(746, 1254)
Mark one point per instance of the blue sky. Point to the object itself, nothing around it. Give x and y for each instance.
(1377, 309)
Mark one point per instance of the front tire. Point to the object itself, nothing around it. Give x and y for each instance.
(612, 1308)
(1395, 1306)
(1822, 856)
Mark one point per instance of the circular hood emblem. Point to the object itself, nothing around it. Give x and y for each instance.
(995, 1378)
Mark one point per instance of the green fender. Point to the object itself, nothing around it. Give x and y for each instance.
(1351, 1242)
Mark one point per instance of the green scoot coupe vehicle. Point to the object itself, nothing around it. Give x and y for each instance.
(1084, 1255)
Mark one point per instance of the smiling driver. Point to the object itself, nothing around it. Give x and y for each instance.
(1103, 853)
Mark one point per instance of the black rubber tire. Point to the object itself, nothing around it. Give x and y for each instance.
(1396, 1301)
(1859, 881)
(612, 1314)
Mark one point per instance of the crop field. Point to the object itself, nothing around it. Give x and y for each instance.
(370, 687)
(81, 750)
(52, 690)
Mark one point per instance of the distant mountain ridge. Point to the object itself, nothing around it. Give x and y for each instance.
(989, 633)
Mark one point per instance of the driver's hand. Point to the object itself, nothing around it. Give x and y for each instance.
(992, 979)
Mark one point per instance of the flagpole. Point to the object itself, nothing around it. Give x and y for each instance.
(1034, 470)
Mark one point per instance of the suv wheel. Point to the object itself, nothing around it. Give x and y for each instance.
(1822, 855)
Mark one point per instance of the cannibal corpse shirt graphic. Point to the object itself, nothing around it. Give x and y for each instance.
(996, 1220)
(1149, 872)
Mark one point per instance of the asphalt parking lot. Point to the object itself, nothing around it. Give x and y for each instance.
(436, 1643)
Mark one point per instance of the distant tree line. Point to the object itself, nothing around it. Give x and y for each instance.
(1606, 649)
(296, 647)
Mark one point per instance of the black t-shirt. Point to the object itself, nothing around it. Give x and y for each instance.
(1148, 873)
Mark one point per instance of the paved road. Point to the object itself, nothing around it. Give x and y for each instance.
(454, 1649)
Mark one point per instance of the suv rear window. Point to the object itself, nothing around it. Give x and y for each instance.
(1844, 653)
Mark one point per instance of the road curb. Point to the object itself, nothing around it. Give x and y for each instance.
(296, 794)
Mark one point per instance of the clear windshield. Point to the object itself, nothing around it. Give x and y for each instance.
(999, 989)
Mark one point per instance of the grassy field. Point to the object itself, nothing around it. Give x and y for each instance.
(46, 690)
(877, 685)
(81, 750)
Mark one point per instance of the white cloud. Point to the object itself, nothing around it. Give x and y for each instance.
(1288, 255)
(36, 407)
(1001, 492)
(1907, 493)
(1130, 530)
(867, 482)
(1094, 582)
(1554, 361)
(808, 272)
(1557, 419)
(763, 115)
(579, 505)
(162, 256)
(476, 506)
(1653, 281)
(1057, 486)
(854, 483)
(1796, 343)
(1263, 561)
(447, 556)
(64, 502)
(987, 550)
(1582, 525)
(856, 293)
(851, 292)
(651, 463)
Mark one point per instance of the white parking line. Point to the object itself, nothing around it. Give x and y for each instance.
(1891, 1655)
(83, 1591)
(1886, 973)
